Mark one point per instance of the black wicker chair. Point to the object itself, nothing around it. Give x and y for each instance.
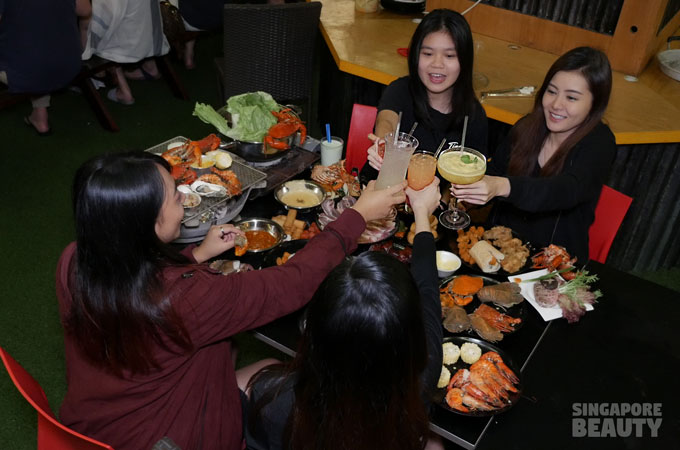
(270, 48)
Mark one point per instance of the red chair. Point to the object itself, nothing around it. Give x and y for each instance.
(52, 435)
(360, 125)
(609, 213)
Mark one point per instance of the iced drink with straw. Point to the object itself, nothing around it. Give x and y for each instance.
(399, 148)
(421, 170)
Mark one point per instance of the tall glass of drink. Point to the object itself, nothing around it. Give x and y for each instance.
(459, 165)
(397, 156)
(421, 170)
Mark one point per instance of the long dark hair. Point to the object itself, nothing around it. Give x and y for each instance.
(528, 135)
(119, 308)
(463, 99)
(357, 370)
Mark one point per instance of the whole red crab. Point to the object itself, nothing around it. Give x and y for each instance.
(288, 124)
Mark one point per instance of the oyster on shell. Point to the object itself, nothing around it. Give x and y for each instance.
(208, 189)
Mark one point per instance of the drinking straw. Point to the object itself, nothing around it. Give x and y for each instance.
(462, 140)
(439, 149)
(328, 132)
(413, 128)
(396, 133)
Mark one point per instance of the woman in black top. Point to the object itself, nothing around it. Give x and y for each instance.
(437, 93)
(371, 355)
(548, 174)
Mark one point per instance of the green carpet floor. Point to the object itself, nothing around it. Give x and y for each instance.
(36, 221)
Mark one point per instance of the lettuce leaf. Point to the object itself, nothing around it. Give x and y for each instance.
(251, 115)
(208, 115)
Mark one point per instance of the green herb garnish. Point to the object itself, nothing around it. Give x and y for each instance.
(468, 159)
(548, 275)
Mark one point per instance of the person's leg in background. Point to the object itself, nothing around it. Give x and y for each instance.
(84, 13)
(122, 93)
(146, 70)
(189, 45)
(38, 117)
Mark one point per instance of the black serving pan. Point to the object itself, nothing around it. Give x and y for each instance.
(440, 395)
(518, 311)
(253, 151)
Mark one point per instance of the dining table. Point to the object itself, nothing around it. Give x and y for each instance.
(604, 382)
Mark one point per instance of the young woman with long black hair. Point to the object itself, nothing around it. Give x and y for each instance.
(369, 359)
(146, 328)
(438, 91)
(548, 174)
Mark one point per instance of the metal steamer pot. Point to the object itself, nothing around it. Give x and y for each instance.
(256, 151)
(669, 60)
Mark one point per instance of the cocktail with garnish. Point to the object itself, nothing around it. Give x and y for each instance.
(459, 165)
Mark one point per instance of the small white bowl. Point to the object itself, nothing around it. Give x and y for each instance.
(447, 263)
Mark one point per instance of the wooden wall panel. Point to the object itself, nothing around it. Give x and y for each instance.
(634, 43)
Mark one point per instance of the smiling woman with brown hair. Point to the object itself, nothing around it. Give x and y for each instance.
(548, 174)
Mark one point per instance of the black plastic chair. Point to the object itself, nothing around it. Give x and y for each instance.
(270, 48)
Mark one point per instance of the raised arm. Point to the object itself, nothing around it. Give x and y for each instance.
(386, 122)
(585, 169)
(424, 271)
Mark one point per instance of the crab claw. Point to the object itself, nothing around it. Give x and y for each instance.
(273, 143)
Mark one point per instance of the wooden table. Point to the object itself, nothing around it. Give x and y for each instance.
(365, 45)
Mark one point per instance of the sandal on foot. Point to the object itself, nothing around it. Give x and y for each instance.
(111, 95)
(27, 121)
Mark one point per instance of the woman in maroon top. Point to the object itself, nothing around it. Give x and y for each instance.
(146, 329)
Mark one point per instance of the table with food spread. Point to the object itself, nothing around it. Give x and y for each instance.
(538, 353)
(623, 353)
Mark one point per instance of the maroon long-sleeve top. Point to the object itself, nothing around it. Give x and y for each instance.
(193, 398)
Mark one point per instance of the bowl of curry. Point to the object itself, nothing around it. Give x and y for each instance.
(261, 234)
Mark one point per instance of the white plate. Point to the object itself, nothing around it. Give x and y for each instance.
(528, 293)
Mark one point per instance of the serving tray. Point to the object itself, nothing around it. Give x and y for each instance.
(214, 211)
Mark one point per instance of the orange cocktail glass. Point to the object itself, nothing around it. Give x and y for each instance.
(421, 170)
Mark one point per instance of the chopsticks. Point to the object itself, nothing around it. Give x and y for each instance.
(524, 91)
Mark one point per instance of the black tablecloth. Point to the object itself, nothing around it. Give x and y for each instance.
(624, 353)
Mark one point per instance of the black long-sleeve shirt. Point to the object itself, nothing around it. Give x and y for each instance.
(557, 209)
(397, 97)
(274, 416)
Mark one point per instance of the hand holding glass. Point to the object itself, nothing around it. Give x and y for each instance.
(459, 165)
(421, 170)
(397, 156)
